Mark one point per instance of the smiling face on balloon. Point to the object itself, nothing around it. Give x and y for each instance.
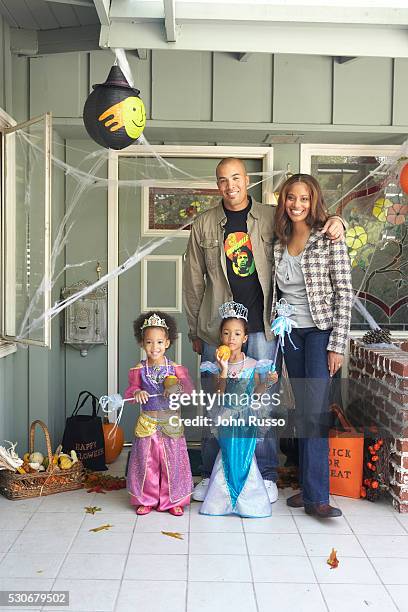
(129, 113)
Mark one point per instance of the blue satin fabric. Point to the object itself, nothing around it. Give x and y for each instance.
(237, 446)
(238, 442)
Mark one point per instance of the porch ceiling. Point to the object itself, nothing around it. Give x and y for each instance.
(48, 14)
(342, 28)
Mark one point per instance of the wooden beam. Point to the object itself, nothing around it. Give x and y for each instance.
(87, 3)
(262, 12)
(64, 40)
(23, 42)
(102, 8)
(306, 39)
(170, 20)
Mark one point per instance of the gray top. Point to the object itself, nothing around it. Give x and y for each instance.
(291, 282)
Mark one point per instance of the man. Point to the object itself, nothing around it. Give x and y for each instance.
(213, 275)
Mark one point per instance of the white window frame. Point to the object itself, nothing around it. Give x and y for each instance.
(309, 150)
(8, 343)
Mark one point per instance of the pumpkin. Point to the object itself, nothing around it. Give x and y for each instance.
(223, 352)
(114, 441)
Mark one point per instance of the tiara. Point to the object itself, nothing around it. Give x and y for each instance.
(154, 321)
(233, 310)
(284, 309)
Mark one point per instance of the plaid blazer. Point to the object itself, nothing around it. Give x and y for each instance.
(327, 272)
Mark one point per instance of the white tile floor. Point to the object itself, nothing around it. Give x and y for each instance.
(222, 564)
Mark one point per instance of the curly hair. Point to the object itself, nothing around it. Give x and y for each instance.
(171, 332)
(317, 216)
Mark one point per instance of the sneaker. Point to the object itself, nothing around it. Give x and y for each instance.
(272, 490)
(200, 490)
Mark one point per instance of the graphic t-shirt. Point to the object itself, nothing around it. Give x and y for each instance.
(242, 275)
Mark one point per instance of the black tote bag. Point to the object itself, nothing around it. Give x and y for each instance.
(84, 434)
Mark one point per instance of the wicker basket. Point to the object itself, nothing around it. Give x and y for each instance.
(22, 486)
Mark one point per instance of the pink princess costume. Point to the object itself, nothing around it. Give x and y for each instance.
(159, 473)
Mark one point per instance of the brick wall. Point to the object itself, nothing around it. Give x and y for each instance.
(378, 395)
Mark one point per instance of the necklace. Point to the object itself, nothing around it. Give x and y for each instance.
(154, 375)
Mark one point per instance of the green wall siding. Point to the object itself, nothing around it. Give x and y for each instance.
(204, 86)
(242, 90)
(302, 89)
(181, 85)
(59, 84)
(87, 242)
(400, 110)
(363, 91)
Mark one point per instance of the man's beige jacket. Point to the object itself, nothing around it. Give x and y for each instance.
(205, 281)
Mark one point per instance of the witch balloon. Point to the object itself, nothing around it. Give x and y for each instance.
(114, 115)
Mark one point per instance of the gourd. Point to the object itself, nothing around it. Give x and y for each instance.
(65, 462)
(36, 457)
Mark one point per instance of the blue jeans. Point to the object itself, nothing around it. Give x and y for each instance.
(258, 347)
(309, 376)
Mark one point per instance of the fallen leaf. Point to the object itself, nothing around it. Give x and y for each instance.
(40, 571)
(92, 509)
(333, 560)
(96, 489)
(173, 534)
(101, 528)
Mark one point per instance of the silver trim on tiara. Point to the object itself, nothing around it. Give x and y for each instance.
(154, 321)
(234, 310)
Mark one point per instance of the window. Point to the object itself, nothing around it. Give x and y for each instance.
(376, 210)
(25, 230)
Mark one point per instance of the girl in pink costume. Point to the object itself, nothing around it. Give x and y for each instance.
(159, 474)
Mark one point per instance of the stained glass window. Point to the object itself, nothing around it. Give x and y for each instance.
(363, 186)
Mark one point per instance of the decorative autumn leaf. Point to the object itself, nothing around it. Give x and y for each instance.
(92, 509)
(101, 528)
(173, 534)
(97, 489)
(333, 560)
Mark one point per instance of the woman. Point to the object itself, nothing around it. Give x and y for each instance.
(314, 275)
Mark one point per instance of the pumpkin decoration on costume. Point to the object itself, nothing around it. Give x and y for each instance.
(223, 352)
(404, 179)
(114, 440)
(114, 115)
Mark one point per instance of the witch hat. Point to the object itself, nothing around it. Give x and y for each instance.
(116, 78)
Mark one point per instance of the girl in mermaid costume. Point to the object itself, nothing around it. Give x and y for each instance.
(236, 485)
(159, 474)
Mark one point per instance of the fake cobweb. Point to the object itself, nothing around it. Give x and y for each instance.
(372, 202)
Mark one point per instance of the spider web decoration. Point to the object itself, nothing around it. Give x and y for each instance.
(377, 211)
